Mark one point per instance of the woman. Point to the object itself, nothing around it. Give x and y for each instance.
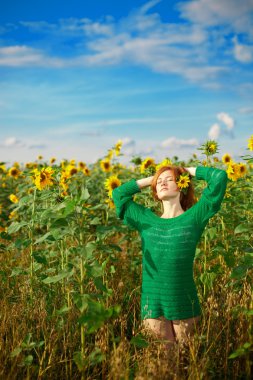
(169, 303)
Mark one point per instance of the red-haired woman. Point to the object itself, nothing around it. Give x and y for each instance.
(170, 307)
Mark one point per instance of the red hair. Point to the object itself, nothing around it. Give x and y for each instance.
(187, 199)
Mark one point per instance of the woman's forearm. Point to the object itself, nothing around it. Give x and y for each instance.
(191, 171)
(144, 182)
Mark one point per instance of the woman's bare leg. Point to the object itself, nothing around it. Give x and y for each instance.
(160, 328)
(184, 328)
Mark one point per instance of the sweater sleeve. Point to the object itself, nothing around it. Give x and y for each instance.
(212, 196)
(126, 209)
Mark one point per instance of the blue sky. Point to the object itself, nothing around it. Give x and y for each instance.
(163, 76)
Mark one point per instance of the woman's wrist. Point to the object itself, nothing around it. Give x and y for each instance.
(191, 171)
(144, 182)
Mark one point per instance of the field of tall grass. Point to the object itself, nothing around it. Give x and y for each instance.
(70, 275)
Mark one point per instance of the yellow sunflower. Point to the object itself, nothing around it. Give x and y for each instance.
(12, 215)
(110, 203)
(86, 171)
(13, 198)
(250, 143)
(3, 168)
(111, 183)
(183, 181)
(40, 157)
(71, 169)
(148, 162)
(242, 170)
(165, 162)
(14, 172)
(118, 147)
(43, 178)
(233, 171)
(226, 159)
(106, 165)
(52, 160)
(81, 165)
(110, 154)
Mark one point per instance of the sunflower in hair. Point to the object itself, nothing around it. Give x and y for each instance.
(183, 182)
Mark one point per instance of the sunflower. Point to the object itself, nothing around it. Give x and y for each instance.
(233, 171)
(40, 157)
(3, 168)
(183, 182)
(148, 162)
(12, 215)
(209, 148)
(81, 165)
(52, 160)
(226, 159)
(13, 198)
(14, 172)
(242, 170)
(110, 203)
(110, 154)
(250, 143)
(43, 178)
(86, 171)
(71, 169)
(165, 162)
(118, 147)
(106, 165)
(72, 162)
(111, 183)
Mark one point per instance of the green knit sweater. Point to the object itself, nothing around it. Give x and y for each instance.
(169, 245)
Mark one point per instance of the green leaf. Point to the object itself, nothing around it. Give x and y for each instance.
(241, 228)
(62, 222)
(16, 352)
(28, 360)
(18, 271)
(84, 194)
(139, 341)
(47, 236)
(95, 221)
(69, 207)
(15, 226)
(58, 277)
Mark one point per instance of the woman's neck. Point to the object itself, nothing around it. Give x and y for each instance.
(171, 209)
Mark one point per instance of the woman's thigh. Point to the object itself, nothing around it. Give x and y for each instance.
(161, 328)
(184, 328)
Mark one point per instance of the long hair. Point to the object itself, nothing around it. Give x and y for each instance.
(187, 200)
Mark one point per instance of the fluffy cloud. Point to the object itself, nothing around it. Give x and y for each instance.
(243, 53)
(173, 142)
(12, 142)
(235, 15)
(216, 130)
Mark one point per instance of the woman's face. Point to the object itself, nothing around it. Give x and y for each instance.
(166, 186)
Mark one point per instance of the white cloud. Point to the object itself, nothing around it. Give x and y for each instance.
(12, 142)
(174, 142)
(214, 132)
(137, 39)
(227, 120)
(236, 15)
(243, 53)
(246, 110)
(25, 56)
(128, 146)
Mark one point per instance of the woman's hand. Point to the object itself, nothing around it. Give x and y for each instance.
(191, 170)
(144, 182)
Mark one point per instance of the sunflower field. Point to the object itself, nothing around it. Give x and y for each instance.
(71, 274)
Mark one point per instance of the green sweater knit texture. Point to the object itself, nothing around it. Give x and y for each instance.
(169, 246)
